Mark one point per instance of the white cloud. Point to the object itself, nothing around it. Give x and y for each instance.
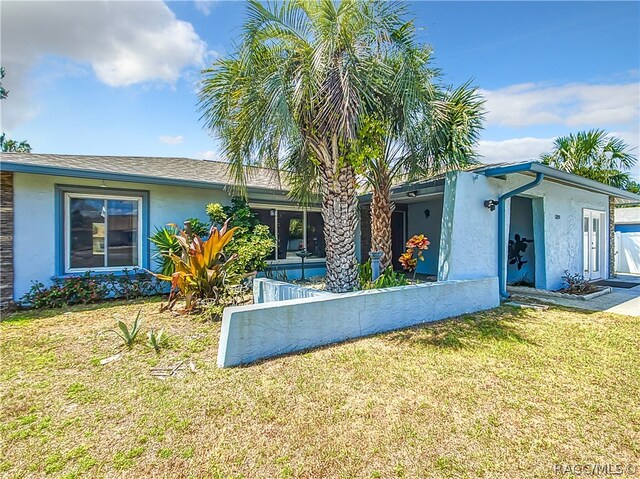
(204, 6)
(210, 155)
(516, 149)
(171, 140)
(124, 42)
(574, 105)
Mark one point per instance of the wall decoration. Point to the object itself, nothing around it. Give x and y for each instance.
(517, 248)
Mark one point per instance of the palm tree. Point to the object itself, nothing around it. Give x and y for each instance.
(598, 156)
(7, 145)
(419, 137)
(294, 95)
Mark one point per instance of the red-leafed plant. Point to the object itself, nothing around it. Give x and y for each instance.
(415, 246)
(202, 270)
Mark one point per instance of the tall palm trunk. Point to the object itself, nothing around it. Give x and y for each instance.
(381, 211)
(612, 237)
(339, 213)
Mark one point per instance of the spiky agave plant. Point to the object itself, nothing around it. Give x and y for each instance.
(128, 335)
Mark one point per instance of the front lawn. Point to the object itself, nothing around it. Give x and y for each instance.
(508, 393)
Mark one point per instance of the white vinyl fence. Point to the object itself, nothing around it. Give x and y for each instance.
(628, 252)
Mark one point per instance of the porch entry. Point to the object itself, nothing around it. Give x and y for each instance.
(398, 236)
(593, 243)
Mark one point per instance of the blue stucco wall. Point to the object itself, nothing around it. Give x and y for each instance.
(469, 230)
(36, 255)
(468, 246)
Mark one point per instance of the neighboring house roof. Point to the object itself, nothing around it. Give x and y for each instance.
(151, 170)
(528, 168)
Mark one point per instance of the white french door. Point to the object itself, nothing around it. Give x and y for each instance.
(593, 244)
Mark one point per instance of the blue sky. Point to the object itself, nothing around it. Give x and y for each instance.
(121, 78)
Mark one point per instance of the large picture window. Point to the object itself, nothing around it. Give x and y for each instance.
(102, 232)
(294, 230)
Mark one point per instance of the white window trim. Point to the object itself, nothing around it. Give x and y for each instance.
(67, 231)
(284, 262)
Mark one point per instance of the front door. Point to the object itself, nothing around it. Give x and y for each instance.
(593, 244)
(398, 237)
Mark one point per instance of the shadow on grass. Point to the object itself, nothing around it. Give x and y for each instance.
(467, 331)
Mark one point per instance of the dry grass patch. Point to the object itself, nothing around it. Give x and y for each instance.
(506, 393)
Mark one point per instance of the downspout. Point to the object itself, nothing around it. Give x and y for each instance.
(502, 277)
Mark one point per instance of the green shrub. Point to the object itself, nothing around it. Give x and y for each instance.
(387, 279)
(198, 227)
(577, 284)
(252, 241)
(156, 340)
(90, 288)
(131, 284)
(71, 290)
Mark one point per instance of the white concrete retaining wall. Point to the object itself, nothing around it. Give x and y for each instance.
(258, 331)
(268, 290)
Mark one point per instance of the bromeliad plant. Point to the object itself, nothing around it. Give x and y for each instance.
(415, 246)
(202, 272)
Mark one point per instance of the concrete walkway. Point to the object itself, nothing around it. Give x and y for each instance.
(620, 301)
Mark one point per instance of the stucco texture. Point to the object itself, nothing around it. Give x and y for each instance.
(470, 231)
(258, 331)
(35, 216)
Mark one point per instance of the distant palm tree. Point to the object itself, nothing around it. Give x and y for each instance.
(598, 156)
(7, 145)
(295, 94)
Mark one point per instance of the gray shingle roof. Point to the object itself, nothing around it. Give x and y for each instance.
(175, 169)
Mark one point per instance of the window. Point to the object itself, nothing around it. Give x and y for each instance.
(102, 232)
(294, 230)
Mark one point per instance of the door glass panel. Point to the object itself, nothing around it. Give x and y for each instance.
(267, 217)
(122, 233)
(290, 234)
(586, 246)
(596, 244)
(86, 232)
(315, 235)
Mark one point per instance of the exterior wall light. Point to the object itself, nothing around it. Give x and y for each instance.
(412, 194)
(491, 204)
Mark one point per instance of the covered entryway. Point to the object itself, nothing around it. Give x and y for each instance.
(521, 249)
(418, 210)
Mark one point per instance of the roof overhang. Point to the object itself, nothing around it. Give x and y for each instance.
(557, 176)
(125, 177)
(412, 192)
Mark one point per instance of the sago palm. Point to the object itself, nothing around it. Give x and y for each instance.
(598, 156)
(294, 94)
